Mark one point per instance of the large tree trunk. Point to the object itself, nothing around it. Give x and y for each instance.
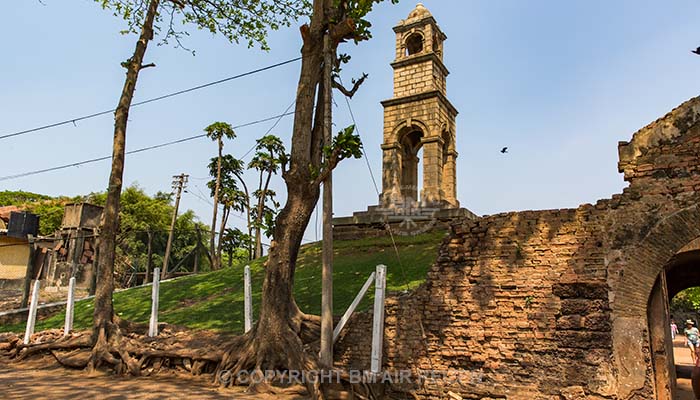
(105, 331)
(277, 340)
(212, 240)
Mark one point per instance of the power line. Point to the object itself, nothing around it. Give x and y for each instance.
(139, 103)
(376, 189)
(141, 150)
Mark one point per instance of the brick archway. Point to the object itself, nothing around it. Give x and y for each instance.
(643, 291)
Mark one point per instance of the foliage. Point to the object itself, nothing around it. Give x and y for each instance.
(215, 300)
(236, 20)
(269, 158)
(50, 215)
(236, 245)
(220, 130)
(346, 144)
(140, 214)
(15, 198)
(686, 300)
(231, 169)
(49, 209)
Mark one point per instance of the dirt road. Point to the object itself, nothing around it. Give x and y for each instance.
(43, 379)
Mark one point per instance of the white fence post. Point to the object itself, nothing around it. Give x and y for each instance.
(353, 306)
(248, 299)
(153, 326)
(378, 325)
(31, 317)
(70, 306)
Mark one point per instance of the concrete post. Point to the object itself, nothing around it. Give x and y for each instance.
(378, 324)
(70, 307)
(31, 318)
(248, 299)
(153, 325)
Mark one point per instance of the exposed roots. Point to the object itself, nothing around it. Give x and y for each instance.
(123, 353)
(250, 358)
(246, 359)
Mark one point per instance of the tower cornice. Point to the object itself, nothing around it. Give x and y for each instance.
(421, 96)
(419, 23)
(419, 59)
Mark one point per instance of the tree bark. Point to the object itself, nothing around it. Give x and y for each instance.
(104, 330)
(212, 241)
(277, 341)
(261, 208)
(149, 258)
(224, 221)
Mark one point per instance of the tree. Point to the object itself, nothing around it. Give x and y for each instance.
(270, 156)
(277, 341)
(228, 171)
(235, 241)
(217, 132)
(235, 19)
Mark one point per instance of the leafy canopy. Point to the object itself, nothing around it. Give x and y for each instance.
(237, 20)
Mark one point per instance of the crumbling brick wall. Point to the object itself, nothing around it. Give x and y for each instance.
(551, 304)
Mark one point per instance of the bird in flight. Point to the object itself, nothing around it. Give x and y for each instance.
(696, 51)
(504, 150)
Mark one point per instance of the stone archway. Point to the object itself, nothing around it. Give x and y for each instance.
(411, 142)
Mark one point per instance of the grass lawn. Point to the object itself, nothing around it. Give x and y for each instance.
(215, 300)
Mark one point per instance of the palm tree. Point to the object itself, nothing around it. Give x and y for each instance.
(268, 159)
(217, 132)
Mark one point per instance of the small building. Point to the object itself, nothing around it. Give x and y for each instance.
(75, 245)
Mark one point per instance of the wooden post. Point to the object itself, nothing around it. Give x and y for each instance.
(351, 309)
(30, 272)
(31, 317)
(378, 324)
(178, 185)
(95, 263)
(326, 356)
(248, 299)
(70, 306)
(195, 268)
(153, 325)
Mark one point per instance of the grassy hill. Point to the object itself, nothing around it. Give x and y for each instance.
(215, 300)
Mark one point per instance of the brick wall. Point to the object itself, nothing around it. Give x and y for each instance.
(551, 304)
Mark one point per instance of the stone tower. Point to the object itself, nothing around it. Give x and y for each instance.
(419, 115)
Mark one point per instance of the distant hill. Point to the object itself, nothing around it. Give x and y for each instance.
(48, 208)
(17, 198)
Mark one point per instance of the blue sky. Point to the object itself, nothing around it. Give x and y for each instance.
(559, 83)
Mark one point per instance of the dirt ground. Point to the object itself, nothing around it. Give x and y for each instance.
(42, 378)
(684, 362)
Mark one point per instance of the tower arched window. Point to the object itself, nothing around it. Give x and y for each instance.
(414, 44)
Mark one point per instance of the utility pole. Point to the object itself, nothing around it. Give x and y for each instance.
(179, 183)
(326, 356)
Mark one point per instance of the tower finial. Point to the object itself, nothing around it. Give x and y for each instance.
(419, 12)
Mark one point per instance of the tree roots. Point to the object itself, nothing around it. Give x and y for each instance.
(245, 360)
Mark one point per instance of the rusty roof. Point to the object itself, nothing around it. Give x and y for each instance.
(5, 212)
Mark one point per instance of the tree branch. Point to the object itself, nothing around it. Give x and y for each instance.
(342, 31)
(144, 66)
(351, 92)
(334, 159)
